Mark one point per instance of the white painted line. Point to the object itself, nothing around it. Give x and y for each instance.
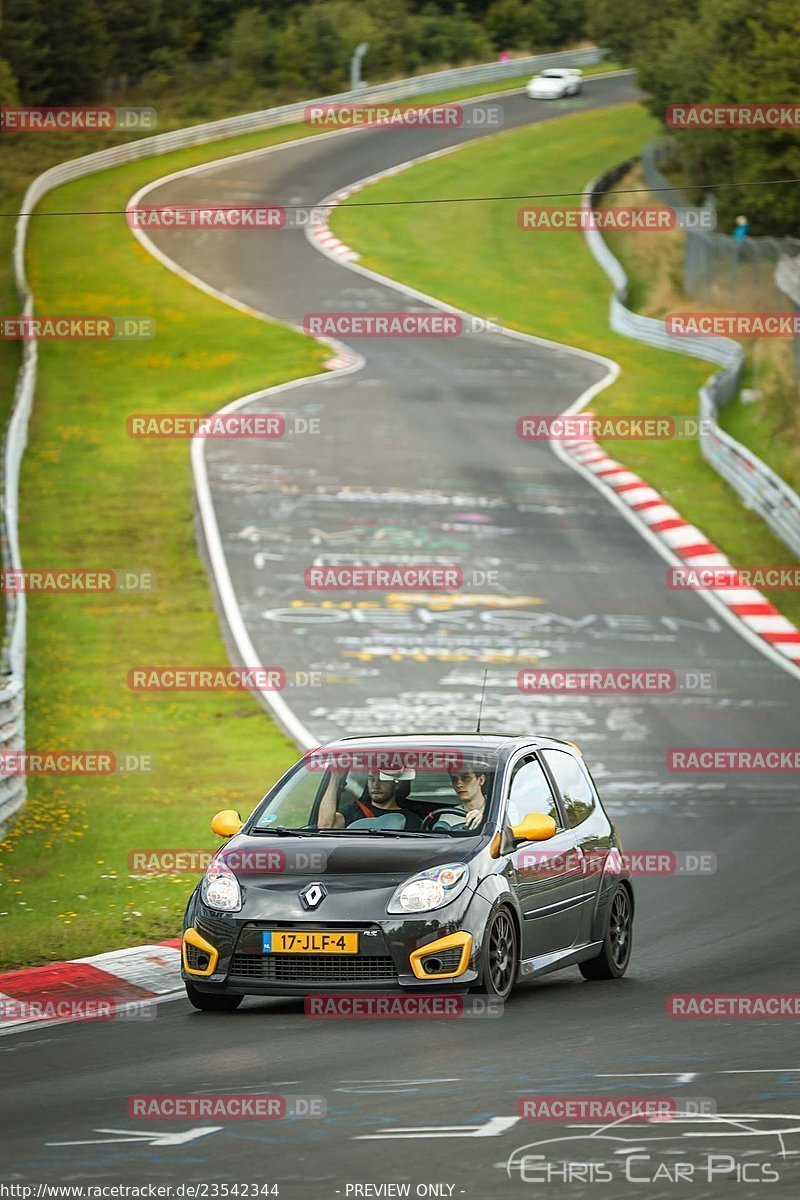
(135, 1136)
(493, 1127)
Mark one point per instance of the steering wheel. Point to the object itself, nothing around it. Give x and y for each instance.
(432, 818)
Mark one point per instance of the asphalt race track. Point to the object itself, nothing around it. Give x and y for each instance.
(417, 461)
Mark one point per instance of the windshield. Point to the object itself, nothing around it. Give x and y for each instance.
(394, 790)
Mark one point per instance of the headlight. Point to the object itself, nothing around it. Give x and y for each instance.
(429, 889)
(220, 888)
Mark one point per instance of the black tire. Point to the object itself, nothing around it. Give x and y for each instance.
(500, 955)
(212, 1001)
(612, 961)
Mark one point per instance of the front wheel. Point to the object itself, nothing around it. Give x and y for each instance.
(212, 1001)
(612, 961)
(500, 955)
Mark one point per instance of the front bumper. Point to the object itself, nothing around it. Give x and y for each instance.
(397, 954)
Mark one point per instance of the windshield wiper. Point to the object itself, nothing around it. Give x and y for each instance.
(380, 832)
(283, 831)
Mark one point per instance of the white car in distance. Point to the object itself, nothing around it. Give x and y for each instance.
(555, 83)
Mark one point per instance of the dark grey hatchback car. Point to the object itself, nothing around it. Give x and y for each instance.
(408, 864)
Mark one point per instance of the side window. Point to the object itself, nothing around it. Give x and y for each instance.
(530, 793)
(575, 789)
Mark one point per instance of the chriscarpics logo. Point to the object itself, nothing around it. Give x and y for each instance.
(698, 1148)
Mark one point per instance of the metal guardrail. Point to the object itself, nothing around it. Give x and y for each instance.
(757, 484)
(12, 659)
(718, 266)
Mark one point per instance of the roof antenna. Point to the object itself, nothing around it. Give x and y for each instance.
(483, 693)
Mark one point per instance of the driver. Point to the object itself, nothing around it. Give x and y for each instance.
(383, 792)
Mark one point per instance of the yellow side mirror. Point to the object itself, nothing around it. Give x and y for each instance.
(534, 827)
(226, 823)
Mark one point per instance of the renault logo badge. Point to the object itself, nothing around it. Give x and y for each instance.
(313, 895)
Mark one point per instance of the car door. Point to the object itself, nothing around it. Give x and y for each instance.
(587, 822)
(546, 876)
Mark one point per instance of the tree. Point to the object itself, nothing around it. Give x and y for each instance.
(728, 51)
(325, 58)
(449, 38)
(617, 25)
(566, 20)
(132, 32)
(25, 47)
(78, 52)
(252, 46)
(504, 23)
(521, 25)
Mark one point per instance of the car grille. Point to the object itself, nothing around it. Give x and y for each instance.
(314, 968)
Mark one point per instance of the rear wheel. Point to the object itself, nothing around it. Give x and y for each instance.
(612, 961)
(212, 1001)
(500, 955)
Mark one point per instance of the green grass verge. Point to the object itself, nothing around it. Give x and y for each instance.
(93, 497)
(547, 283)
(770, 427)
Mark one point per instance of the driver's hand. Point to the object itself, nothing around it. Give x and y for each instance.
(473, 818)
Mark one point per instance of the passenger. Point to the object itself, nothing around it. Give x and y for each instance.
(383, 793)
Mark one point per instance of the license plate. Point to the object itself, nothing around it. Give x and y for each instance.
(280, 942)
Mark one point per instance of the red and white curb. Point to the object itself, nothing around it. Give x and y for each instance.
(324, 238)
(112, 984)
(688, 543)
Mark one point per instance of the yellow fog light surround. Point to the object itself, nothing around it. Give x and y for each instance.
(451, 942)
(192, 938)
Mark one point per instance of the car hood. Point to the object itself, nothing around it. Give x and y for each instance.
(370, 857)
(359, 873)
